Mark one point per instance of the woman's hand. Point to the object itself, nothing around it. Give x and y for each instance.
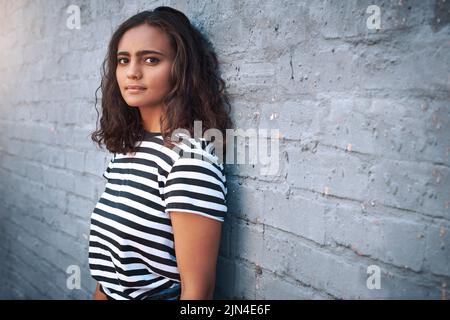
(98, 295)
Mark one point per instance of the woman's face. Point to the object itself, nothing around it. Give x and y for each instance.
(138, 66)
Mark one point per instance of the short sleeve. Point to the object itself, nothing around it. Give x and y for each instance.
(108, 169)
(197, 186)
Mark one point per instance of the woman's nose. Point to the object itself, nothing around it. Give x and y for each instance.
(134, 71)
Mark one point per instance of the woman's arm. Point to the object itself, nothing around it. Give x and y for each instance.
(197, 240)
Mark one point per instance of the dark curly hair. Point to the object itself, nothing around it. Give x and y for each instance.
(197, 90)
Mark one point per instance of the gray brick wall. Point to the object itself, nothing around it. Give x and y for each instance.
(364, 166)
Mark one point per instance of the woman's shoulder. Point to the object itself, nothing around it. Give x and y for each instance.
(197, 166)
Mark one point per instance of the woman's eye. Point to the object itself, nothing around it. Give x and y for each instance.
(125, 60)
(154, 60)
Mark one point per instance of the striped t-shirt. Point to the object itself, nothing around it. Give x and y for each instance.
(131, 243)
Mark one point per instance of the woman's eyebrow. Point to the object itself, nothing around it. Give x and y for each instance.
(139, 53)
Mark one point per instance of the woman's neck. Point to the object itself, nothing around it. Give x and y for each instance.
(150, 118)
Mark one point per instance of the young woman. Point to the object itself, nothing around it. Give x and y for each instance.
(156, 229)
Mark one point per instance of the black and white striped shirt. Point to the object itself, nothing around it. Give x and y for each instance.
(131, 244)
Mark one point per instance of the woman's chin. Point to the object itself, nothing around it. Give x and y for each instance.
(134, 102)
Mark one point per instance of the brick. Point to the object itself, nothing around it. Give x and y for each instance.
(244, 200)
(59, 179)
(392, 240)
(74, 160)
(274, 287)
(409, 185)
(299, 214)
(84, 186)
(95, 162)
(245, 281)
(325, 170)
(248, 241)
(437, 257)
(79, 206)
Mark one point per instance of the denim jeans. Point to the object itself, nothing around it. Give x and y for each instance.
(172, 293)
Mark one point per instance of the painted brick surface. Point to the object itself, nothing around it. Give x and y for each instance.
(363, 177)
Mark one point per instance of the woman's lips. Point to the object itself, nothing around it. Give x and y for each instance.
(135, 89)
